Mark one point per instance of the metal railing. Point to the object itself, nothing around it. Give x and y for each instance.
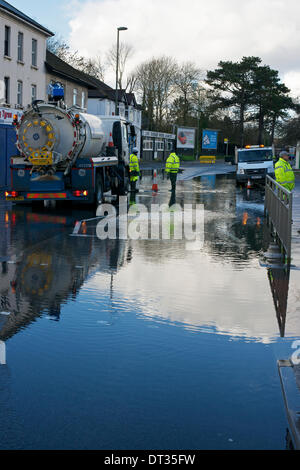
(279, 210)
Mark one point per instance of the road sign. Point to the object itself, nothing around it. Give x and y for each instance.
(210, 140)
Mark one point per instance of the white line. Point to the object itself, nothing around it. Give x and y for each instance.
(78, 224)
(2, 353)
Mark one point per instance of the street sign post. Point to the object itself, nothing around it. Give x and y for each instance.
(226, 141)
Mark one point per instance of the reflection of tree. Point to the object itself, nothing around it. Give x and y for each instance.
(279, 282)
(231, 232)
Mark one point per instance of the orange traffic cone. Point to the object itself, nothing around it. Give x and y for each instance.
(249, 185)
(155, 185)
(110, 143)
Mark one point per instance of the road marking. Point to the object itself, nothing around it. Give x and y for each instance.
(2, 353)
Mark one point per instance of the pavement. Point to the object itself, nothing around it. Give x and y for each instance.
(193, 169)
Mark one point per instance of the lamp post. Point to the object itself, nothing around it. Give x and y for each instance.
(121, 28)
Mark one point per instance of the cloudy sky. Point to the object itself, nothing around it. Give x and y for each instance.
(192, 30)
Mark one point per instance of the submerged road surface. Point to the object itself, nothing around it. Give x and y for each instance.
(144, 343)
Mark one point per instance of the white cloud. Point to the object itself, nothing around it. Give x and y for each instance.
(198, 30)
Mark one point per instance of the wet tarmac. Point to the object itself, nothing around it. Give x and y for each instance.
(144, 343)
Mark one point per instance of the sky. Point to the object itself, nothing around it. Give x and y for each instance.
(201, 31)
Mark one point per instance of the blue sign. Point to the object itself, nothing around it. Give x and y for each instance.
(210, 140)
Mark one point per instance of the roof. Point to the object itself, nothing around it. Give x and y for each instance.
(96, 88)
(104, 91)
(60, 68)
(131, 99)
(10, 9)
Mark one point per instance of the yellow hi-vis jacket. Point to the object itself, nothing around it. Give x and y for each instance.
(173, 163)
(284, 174)
(134, 168)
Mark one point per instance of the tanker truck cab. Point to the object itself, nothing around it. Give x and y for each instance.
(118, 128)
(254, 163)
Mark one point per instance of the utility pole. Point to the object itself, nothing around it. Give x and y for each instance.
(121, 28)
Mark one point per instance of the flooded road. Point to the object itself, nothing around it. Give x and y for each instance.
(144, 344)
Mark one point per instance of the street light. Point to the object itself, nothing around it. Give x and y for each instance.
(121, 28)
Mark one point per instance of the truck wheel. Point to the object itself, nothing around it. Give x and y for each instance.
(98, 191)
(123, 184)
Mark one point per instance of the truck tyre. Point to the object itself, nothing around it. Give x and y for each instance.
(98, 191)
(119, 185)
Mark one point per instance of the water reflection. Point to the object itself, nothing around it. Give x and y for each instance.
(47, 275)
(46, 268)
(135, 321)
(279, 279)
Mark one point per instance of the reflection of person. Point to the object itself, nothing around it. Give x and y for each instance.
(134, 169)
(132, 200)
(172, 201)
(172, 168)
(283, 172)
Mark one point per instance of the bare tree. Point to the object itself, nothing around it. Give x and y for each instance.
(125, 53)
(155, 83)
(186, 82)
(131, 83)
(91, 66)
(59, 47)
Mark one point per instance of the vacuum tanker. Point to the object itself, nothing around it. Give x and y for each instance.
(67, 154)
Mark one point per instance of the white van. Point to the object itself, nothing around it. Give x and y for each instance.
(253, 163)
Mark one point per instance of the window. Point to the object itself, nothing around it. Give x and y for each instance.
(83, 99)
(20, 93)
(34, 53)
(7, 41)
(169, 145)
(148, 145)
(7, 90)
(159, 146)
(75, 93)
(20, 46)
(33, 92)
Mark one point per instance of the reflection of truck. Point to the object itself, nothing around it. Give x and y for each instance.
(42, 277)
(68, 155)
(254, 163)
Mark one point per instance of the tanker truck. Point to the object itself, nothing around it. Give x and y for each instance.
(67, 154)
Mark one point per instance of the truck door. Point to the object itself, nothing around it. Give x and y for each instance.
(7, 150)
(120, 139)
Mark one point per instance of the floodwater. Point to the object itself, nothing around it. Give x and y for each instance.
(144, 344)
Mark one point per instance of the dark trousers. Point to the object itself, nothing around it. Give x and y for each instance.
(132, 186)
(173, 178)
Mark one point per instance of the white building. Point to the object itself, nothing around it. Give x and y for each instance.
(22, 57)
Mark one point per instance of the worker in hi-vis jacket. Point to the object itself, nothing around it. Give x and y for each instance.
(134, 169)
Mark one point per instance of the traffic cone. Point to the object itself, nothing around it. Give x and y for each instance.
(110, 143)
(249, 185)
(155, 185)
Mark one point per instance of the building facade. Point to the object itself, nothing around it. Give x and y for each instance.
(22, 58)
(22, 75)
(157, 145)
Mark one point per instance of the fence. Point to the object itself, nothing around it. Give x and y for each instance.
(279, 210)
